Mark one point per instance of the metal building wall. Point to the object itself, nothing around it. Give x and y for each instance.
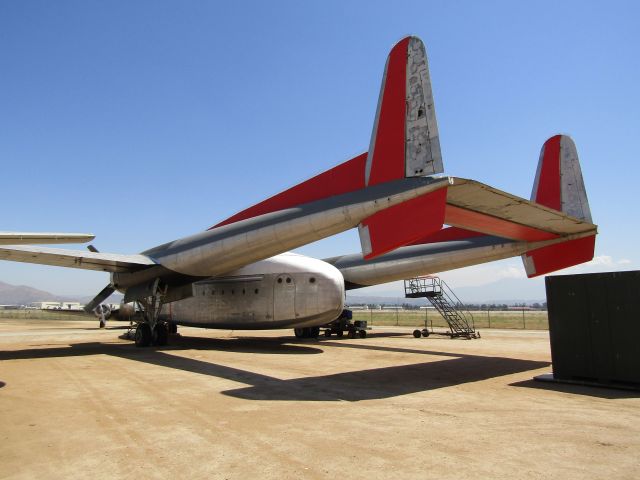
(594, 326)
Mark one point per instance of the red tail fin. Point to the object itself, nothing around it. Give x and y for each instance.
(404, 141)
(559, 185)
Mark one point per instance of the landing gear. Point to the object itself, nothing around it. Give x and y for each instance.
(307, 332)
(143, 335)
(173, 328)
(152, 330)
(160, 334)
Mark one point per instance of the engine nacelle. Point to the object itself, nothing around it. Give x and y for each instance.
(126, 311)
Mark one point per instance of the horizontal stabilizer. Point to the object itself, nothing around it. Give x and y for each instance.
(402, 224)
(475, 206)
(104, 262)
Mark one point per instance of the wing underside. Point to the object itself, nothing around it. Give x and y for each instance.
(475, 206)
(103, 262)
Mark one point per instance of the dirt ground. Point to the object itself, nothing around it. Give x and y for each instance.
(78, 402)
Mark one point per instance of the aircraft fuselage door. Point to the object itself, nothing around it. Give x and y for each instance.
(284, 298)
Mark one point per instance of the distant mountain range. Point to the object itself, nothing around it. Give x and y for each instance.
(511, 291)
(24, 295)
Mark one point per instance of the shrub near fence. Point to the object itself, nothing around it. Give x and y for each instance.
(522, 319)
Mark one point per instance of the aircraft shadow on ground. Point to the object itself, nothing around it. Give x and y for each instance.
(585, 390)
(375, 383)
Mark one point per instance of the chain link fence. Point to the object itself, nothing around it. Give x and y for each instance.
(516, 319)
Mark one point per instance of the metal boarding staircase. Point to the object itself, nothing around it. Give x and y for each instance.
(441, 296)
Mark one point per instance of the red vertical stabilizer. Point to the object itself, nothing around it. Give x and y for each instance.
(559, 185)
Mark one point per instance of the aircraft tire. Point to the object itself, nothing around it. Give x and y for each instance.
(425, 333)
(173, 328)
(363, 333)
(352, 334)
(143, 335)
(417, 333)
(339, 334)
(161, 335)
(300, 332)
(314, 332)
(327, 333)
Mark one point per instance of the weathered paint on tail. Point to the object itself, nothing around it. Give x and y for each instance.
(559, 185)
(404, 140)
(404, 143)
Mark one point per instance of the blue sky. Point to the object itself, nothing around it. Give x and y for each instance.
(147, 121)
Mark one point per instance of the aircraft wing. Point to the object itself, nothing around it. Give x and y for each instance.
(103, 262)
(27, 238)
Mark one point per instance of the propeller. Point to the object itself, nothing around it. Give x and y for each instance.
(103, 312)
(98, 299)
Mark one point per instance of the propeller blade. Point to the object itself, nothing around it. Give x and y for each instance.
(98, 299)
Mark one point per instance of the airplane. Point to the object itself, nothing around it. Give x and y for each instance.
(240, 273)
(27, 238)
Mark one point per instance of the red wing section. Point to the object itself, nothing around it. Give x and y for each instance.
(449, 234)
(497, 226)
(402, 224)
(344, 178)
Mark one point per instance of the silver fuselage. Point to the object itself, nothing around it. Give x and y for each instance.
(287, 290)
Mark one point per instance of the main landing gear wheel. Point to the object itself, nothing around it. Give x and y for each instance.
(143, 335)
(417, 333)
(339, 334)
(160, 335)
(308, 332)
(327, 333)
(363, 333)
(425, 333)
(173, 328)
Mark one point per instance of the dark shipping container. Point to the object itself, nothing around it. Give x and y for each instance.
(594, 327)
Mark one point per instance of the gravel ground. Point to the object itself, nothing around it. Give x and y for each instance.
(79, 402)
